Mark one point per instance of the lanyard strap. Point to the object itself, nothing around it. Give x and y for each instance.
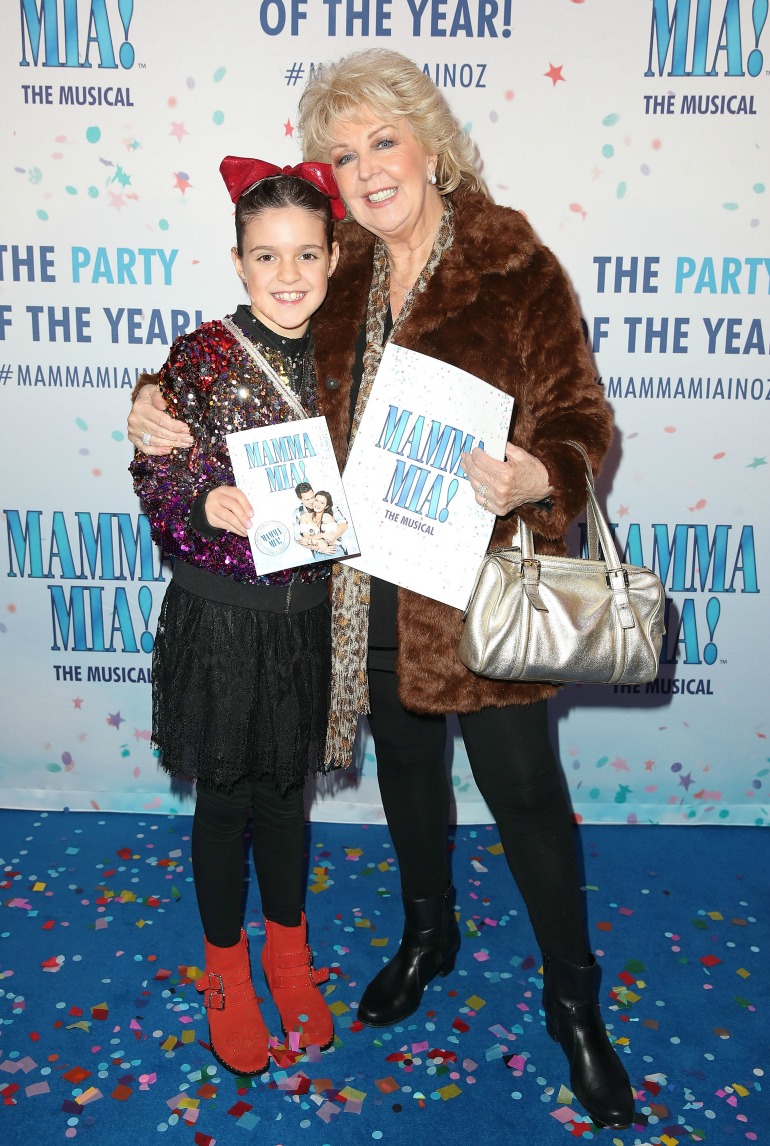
(288, 396)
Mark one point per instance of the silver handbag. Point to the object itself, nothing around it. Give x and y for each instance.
(560, 619)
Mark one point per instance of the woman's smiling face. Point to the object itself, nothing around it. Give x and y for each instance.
(383, 175)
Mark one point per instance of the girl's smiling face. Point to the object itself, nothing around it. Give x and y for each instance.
(285, 265)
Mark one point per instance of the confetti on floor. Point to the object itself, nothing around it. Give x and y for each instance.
(103, 1039)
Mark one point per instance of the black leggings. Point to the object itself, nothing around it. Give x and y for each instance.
(278, 846)
(515, 769)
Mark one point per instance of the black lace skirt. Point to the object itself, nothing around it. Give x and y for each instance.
(240, 692)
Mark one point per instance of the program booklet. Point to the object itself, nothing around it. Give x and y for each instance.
(290, 475)
(417, 518)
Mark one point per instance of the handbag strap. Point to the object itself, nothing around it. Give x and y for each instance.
(246, 344)
(599, 534)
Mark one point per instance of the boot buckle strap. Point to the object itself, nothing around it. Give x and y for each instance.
(288, 959)
(299, 978)
(319, 975)
(213, 988)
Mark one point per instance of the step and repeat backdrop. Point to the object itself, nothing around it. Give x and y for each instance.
(634, 136)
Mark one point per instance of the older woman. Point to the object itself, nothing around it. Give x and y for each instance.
(429, 262)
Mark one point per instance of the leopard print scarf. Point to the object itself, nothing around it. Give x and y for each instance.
(351, 587)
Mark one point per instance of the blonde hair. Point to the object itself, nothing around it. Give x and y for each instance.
(388, 85)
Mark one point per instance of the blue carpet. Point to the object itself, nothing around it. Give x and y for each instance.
(101, 1028)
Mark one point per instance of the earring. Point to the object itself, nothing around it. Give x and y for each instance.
(432, 177)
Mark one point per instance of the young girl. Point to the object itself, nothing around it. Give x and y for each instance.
(241, 662)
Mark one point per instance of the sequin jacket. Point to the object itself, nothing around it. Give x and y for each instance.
(214, 386)
(499, 306)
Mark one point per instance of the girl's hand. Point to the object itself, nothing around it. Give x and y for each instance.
(228, 508)
(151, 429)
(503, 486)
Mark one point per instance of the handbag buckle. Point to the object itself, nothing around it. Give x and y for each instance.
(611, 573)
(530, 565)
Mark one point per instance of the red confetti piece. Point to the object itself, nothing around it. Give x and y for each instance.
(76, 1075)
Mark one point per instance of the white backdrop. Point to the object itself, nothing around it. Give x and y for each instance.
(634, 136)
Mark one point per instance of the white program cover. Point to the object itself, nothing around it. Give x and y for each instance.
(269, 463)
(417, 519)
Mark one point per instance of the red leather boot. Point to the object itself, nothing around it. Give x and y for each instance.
(288, 965)
(237, 1031)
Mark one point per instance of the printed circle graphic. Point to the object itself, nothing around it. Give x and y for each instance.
(272, 537)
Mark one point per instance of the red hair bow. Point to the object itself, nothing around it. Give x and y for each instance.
(241, 175)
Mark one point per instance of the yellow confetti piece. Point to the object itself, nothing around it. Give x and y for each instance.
(363, 923)
(471, 926)
(667, 1140)
(186, 1103)
(338, 1008)
(475, 1003)
(631, 996)
(384, 866)
(744, 974)
(354, 851)
(192, 972)
(81, 1026)
(447, 1092)
(715, 915)
(379, 942)
(565, 1097)
(622, 1042)
(140, 922)
(188, 1036)
(316, 887)
(38, 887)
(741, 1090)
(90, 1095)
(495, 850)
(349, 1094)
(169, 1044)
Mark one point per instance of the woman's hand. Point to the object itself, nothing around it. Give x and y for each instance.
(503, 486)
(151, 429)
(228, 508)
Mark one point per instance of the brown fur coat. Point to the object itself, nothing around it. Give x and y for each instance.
(500, 307)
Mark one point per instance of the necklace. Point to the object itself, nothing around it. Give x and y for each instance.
(398, 282)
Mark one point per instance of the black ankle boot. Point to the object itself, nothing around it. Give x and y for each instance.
(597, 1076)
(428, 948)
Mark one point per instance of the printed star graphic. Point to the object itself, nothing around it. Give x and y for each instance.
(178, 130)
(288, 128)
(756, 463)
(686, 781)
(182, 182)
(131, 144)
(121, 177)
(649, 765)
(554, 74)
(115, 719)
(117, 201)
(623, 510)
(619, 765)
(78, 702)
(622, 793)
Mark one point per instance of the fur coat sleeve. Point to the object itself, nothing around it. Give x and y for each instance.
(498, 306)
